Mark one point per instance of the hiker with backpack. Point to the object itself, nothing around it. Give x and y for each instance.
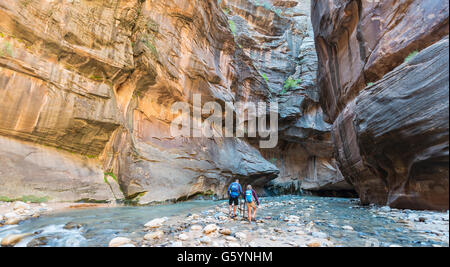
(234, 191)
(252, 202)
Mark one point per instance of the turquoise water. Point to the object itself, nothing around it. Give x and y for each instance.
(329, 215)
(370, 226)
(99, 226)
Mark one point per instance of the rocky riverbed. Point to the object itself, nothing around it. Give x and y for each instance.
(13, 213)
(289, 221)
(282, 224)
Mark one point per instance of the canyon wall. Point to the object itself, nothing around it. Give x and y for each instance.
(56, 112)
(86, 89)
(384, 84)
(85, 97)
(278, 37)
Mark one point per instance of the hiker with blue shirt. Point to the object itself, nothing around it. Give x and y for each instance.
(252, 202)
(234, 191)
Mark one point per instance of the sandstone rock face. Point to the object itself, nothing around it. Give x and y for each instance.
(97, 79)
(388, 105)
(303, 170)
(358, 42)
(278, 37)
(182, 48)
(33, 170)
(86, 89)
(56, 91)
(393, 139)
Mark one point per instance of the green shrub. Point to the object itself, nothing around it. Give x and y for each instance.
(149, 43)
(411, 56)
(266, 79)
(33, 199)
(5, 199)
(95, 77)
(112, 175)
(232, 26)
(291, 83)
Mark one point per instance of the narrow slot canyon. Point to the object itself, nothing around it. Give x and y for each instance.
(87, 97)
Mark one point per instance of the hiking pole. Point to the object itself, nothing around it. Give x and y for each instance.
(240, 206)
(245, 205)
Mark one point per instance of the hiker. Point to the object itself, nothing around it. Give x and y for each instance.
(234, 191)
(252, 201)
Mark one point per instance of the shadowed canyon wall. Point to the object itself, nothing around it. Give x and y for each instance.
(279, 39)
(384, 84)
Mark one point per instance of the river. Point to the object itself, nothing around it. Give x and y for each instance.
(342, 220)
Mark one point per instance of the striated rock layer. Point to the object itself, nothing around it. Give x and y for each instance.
(279, 39)
(182, 48)
(54, 93)
(97, 79)
(388, 102)
(89, 85)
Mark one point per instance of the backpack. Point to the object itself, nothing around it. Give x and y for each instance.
(249, 196)
(234, 190)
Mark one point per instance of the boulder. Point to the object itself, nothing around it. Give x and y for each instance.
(19, 205)
(196, 227)
(119, 241)
(12, 218)
(156, 223)
(13, 239)
(211, 228)
(205, 240)
(183, 237)
(314, 244)
(154, 235)
(348, 228)
(241, 235)
(225, 231)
